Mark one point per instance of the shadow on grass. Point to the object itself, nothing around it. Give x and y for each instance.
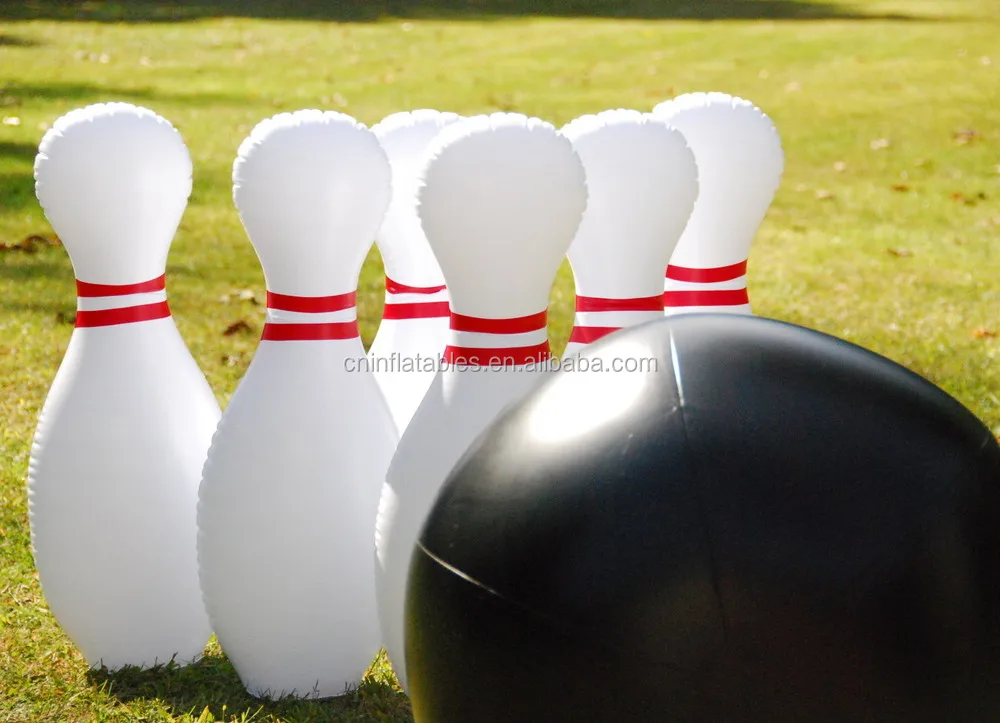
(213, 683)
(13, 41)
(143, 11)
(17, 190)
(57, 271)
(18, 151)
(13, 94)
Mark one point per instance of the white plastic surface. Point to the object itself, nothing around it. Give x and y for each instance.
(406, 138)
(740, 163)
(642, 182)
(401, 349)
(501, 200)
(291, 487)
(122, 436)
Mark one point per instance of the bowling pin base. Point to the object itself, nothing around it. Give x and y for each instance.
(287, 521)
(116, 660)
(112, 494)
(269, 689)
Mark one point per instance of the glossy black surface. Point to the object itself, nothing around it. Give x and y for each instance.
(774, 525)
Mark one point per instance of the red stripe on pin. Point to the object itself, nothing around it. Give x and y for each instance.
(707, 276)
(501, 357)
(310, 332)
(595, 303)
(517, 325)
(122, 315)
(706, 297)
(394, 287)
(311, 304)
(430, 310)
(89, 290)
(590, 334)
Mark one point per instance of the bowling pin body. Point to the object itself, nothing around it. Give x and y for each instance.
(740, 162)
(642, 182)
(122, 436)
(500, 201)
(414, 329)
(290, 490)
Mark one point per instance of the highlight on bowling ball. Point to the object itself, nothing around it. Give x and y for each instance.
(763, 523)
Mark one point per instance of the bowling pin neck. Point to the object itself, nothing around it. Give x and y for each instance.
(403, 301)
(406, 255)
(115, 304)
(512, 342)
(719, 288)
(597, 317)
(311, 318)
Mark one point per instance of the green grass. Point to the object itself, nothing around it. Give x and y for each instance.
(885, 231)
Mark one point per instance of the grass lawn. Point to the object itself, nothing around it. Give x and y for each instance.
(883, 232)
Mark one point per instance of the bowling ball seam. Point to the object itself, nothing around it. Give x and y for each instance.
(557, 625)
(699, 500)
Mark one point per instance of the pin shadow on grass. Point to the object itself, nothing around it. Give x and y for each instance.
(145, 11)
(212, 684)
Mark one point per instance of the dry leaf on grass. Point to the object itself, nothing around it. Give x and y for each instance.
(823, 195)
(968, 200)
(983, 334)
(240, 327)
(899, 252)
(30, 244)
(966, 136)
(900, 187)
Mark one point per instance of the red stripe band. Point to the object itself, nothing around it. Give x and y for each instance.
(310, 332)
(122, 315)
(89, 290)
(394, 287)
(707, 276)
(721, 297)
(311, 304)
(517, 325)
(594, 303)
(430, 310)
(589, 334)
(505, 357)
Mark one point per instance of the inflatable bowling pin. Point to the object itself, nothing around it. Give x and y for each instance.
(122, 436)
(414, 328)
(740, 162)
(642, 182)
(291, 486)
(500, 200)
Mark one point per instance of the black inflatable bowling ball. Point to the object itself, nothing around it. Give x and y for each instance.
(774, 525)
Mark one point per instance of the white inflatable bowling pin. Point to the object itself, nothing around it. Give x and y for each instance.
(291, 486)
(414, 329)
(740, 162)
(642, 182)
(501, 199)
(113, 477)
